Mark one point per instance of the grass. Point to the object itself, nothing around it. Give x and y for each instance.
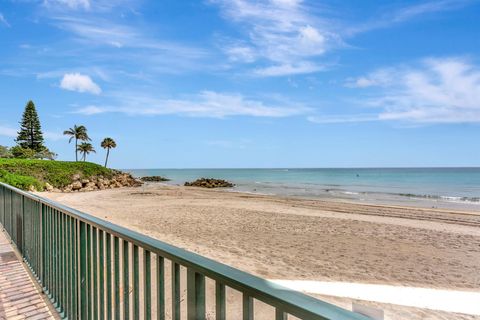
(23, 173)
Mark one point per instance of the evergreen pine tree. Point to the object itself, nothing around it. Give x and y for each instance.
(30, 135)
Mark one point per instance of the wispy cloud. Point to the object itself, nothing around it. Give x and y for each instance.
(97, 31)
(280, 35)
(4, 21)
(72, 4)
(394, 16)
(105, 41)
(229, 144)
(352, 118)
(89, 5)
(435, 91)
(7, 131)
(288, 37)
(80, 83)
(208, 104)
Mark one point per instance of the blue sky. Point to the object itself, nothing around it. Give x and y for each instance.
(237, 83)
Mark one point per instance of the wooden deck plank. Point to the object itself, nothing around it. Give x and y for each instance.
(20, 298)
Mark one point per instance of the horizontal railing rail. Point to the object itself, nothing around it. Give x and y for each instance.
(94, 269)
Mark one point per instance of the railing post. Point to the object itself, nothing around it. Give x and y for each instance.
(175, 291)
(160, 288)
(195, 295)
(82, 268)
(220, 313)
(247, 307)
(41, 274)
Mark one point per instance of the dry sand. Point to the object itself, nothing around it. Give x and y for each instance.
(295, 239)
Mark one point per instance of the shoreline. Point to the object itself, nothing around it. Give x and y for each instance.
(332, 199)
(449, 188)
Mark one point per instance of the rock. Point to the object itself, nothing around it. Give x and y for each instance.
(90, 185)
(210, 183)
(76, 177)
(32, 189)
(48, 187)
(77, 185)
(119, 180)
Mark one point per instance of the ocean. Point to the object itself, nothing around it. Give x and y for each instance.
(453, 188)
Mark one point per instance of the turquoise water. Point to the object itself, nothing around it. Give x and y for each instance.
(435, 187)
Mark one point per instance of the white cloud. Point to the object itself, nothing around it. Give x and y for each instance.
(281, 35)
(4, 21)
(80, 83)
(436, 91)
(205, 104)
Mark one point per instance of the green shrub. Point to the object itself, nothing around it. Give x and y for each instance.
(57, 173)
(5, 152)
(19, 181)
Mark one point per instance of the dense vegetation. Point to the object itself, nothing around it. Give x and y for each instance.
(22, 165)
(25, 173)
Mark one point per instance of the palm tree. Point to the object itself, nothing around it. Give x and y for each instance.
(77, 133)
(85, 148)
(108, 143)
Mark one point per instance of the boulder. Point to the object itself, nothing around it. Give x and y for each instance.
(90, 184)
(76, 185)
(48, 187)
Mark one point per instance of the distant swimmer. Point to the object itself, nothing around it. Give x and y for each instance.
(358, 175)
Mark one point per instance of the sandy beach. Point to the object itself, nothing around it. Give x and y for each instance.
(296, 239)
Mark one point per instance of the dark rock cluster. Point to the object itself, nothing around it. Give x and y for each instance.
(210, 183)
(154, 179)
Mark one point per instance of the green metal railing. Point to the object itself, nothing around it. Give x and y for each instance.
(93, 269)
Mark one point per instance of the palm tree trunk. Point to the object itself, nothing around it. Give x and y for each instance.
(76, 149)
(106, 159)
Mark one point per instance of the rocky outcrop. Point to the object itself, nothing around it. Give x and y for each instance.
(154, 179)
(79, 184)
(210, 183)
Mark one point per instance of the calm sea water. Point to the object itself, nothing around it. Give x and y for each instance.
(433, 187)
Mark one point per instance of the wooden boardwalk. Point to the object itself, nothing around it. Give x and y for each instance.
(20, 298)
